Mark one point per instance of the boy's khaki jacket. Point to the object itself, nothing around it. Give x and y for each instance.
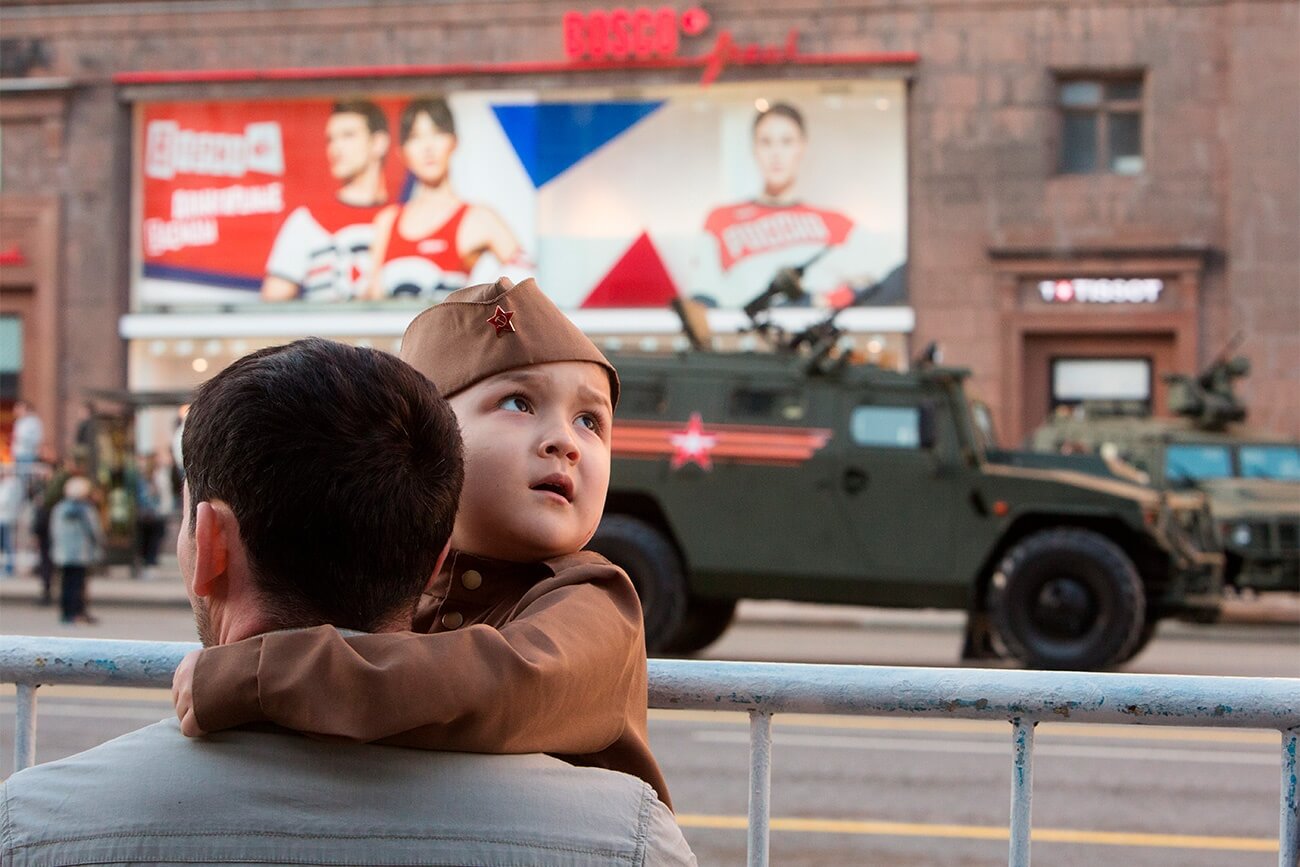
(504, 658)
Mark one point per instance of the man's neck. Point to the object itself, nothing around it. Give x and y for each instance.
(364, 190)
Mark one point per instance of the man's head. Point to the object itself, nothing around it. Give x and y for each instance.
(428, 137)
(535, 399)
(779, 140)
(356, 138)
(21, 409)
(321, 487)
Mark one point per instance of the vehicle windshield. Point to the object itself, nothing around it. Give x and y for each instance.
(1188, 464)
(982, 422)
(1270, 462)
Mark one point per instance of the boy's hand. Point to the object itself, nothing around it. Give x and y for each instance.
(183, 695)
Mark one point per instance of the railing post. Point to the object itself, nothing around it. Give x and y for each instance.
(1022, 790)
(25, 729)
(760, 786)
(1289, 821)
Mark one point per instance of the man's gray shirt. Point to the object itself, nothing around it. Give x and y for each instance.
(271, 797)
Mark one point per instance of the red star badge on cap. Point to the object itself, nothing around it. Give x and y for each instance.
(692, 446)
(500, 320)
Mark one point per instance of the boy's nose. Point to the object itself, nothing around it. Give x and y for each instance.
(561, 444)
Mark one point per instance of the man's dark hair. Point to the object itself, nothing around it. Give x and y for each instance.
(343, 467)
(781, 109)
(376, 120)
(435, 107)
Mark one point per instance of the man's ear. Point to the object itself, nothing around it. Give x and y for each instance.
(442, 558)
(380, 143)
(211, 550)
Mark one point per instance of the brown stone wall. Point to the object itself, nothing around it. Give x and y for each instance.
(1222, 117)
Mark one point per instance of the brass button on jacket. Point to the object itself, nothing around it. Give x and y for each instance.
(472, 579)
(452, 620)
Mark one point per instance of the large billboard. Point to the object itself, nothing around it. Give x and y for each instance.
(611, 200)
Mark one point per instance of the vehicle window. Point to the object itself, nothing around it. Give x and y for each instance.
(894, 427)
(1270, 462)
(982, 421)
(766, 403)
(642, 398)
(1187, 463)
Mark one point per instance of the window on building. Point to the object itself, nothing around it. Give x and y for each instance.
(11, 357)
(1101, 125)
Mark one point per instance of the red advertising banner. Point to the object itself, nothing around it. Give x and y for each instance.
(611, 202)
(219, 182)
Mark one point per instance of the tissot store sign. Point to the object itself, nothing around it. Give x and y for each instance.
(1101, 291)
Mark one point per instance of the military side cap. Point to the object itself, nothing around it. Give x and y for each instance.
(483, 330)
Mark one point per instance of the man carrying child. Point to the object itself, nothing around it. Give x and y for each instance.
(322, 483)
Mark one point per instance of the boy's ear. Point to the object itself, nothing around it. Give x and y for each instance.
(442, 558)
(211, 549)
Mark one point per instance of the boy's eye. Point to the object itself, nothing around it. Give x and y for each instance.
(516, 403)
(590, 422)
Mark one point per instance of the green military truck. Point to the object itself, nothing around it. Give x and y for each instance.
(1251, 477)
(798, 474)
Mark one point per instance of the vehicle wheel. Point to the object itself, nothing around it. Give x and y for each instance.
(1144, 638)
(705, 621)
(1067, 599)
(651, 561)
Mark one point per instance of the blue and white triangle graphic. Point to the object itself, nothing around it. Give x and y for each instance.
(550, 138)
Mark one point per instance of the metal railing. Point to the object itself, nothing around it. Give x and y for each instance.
(1020, 698)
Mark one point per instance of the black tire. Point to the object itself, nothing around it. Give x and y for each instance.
(651, 561)
(705, 621)
(1144, 638)
(1067, 598)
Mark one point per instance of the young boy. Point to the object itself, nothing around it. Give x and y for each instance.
(538, 645)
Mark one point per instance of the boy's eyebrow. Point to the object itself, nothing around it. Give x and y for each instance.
(586, 392)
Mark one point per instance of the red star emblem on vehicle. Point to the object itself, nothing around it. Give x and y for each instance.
(692, 446)
(500, 320)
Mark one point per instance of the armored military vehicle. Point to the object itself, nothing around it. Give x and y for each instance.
(803, 474)
(1252, 477)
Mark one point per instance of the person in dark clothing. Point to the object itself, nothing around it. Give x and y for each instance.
(76, 540)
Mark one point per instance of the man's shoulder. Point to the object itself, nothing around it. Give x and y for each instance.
(155, 795)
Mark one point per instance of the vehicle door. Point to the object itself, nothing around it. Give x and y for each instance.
(762, 501)
(899, 481)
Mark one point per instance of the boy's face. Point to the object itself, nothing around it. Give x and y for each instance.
(536, 460)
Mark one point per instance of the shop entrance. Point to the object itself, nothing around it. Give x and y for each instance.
(1124, 370)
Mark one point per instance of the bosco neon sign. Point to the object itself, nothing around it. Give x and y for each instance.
(645, 34)
(625, 34)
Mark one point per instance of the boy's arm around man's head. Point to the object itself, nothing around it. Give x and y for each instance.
(564, 674)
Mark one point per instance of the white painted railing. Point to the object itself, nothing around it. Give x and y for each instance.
(1020, 698)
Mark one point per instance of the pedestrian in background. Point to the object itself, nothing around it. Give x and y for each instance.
(150, 514)
(76, 542)
(28, 436)
(60, 472)
(11, 505)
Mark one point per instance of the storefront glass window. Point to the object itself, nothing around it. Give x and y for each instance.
(1101, 379)
(11, 356)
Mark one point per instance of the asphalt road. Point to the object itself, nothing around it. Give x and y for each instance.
(893, 791)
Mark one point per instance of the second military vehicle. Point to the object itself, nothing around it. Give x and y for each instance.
(798, 474)
(1252, 477)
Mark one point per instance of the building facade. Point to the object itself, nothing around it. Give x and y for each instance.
(1071, 199)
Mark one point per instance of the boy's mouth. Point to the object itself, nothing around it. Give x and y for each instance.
(555, 483)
